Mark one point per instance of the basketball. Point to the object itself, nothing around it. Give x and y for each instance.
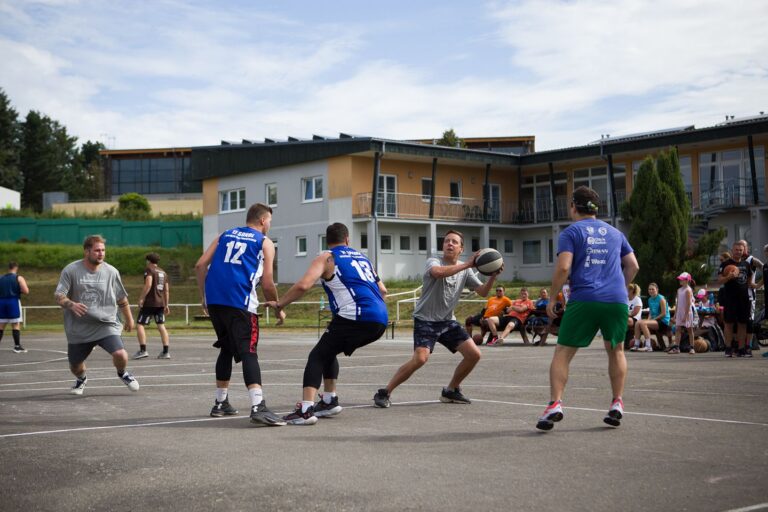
(488, 261)
(731, 270)
(478, 339)
(700, 345)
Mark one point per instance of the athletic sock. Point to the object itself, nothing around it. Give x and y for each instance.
(306, 405)
(142, 348)
(328, 397)
(16, 337)
(165, 349)
(81, 376)
(2, 331)
(256, 396)
(221, 394)
(120, 373)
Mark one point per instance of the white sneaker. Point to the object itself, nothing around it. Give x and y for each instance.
(130, 381)
(648, 348)
(615, 413)
(79, 386)
(141, 354)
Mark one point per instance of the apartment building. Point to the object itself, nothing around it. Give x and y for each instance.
(516, 203)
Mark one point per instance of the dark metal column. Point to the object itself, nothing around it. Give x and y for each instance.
(755, 194)
(519, 194)
(552, 213)
(374, 212)
(612, 184)
(486, 192)
(432, 190)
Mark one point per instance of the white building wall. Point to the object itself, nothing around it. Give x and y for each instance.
(10, 199)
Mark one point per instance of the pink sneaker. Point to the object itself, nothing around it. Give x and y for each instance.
(552, 414)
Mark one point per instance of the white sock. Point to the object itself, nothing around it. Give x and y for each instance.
(647, 343)
(256, 396)
(221, 394)
(306, 405)
(328, 397)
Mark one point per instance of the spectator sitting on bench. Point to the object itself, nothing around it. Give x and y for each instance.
(514, 319)
(554, 325)
(657, 321)
(538, 323)
(635, 315)
(494, 307)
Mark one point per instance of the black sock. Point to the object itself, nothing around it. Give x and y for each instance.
(2, 331)
(16, 337)
(81, 376)
(120, 373)
(142, 348)
(165, 349)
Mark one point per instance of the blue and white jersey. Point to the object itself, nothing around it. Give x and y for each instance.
(353, 291)
(235, 270)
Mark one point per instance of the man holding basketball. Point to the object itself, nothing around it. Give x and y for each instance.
(735, 274)
(601, 264)
(434, 321)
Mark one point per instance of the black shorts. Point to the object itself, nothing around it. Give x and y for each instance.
(147, 314)
(474, 319)
(346, 335)
(79, 352)
(505, 320)
(237, 330)
(737, 309)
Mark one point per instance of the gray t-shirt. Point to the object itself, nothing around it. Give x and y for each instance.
(439, 297)
(100, 291)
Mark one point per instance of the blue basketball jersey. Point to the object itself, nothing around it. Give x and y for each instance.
(353, 292)
(235, 270)
(9, 285)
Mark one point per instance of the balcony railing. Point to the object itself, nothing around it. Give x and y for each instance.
(733, 193)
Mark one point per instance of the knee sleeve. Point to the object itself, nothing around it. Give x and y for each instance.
(251, 369)
(321, 363)
(224, 366)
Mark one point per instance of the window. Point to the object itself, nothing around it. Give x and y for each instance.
(595, 178)
(440, 244)
(363, 241)
(493, 243)
(426, 189)
(509, 246)
(232, 200)
(312, 189)
(271, 194)
(550, 251)
(323, 244)
(475, 244)
(531, 252)
(405, 244)
(386, 243)
(422, 244)
(455, 192)
(301, 246)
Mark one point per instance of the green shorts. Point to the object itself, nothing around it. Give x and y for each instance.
(582, 320)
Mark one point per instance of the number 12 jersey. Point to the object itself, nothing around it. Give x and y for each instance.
(235, 270)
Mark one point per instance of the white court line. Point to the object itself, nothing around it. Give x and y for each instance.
(634, 413)
(197, 420)
(759, 506)
(32, 362)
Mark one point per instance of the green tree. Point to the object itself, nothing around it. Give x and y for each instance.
(133, 206)
(48, 154)
(10, 176)
(86, 179)
(450, 138)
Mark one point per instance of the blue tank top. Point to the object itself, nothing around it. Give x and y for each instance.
(235, 270)
(654, 308)
(9, 286)
(353, 292)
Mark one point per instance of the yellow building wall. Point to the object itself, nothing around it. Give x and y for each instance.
(210, 196)
(165, 206)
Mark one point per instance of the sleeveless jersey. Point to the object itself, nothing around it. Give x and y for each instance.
(235, 270)
(353, 292)
(9, 286)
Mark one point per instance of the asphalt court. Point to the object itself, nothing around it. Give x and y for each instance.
(695, 436)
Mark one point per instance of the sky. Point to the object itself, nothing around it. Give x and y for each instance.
(149, 74)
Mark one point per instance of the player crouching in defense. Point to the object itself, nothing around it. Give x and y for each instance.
(356, 296)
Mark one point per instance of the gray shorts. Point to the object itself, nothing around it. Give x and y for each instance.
(449, 333)
(79, 352)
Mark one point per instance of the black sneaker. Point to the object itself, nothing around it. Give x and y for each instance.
(747, 352)
(740, 352)
(301, 418)
(222, 409)
(263, 416)
(323, 410)
(454, 397)
(728, 352)
(19, 349)
(79, 386)
(381, 399)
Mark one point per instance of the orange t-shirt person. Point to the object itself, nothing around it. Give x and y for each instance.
(497, 304)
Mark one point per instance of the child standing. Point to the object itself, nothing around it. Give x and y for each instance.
(684, 313)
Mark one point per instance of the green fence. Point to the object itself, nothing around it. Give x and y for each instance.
(117, 232)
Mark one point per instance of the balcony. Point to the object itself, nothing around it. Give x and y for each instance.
(734, 193)
(415, 206)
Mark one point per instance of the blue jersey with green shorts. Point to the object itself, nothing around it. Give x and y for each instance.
(598, 292)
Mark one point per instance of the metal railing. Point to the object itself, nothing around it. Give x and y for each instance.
(732, 193)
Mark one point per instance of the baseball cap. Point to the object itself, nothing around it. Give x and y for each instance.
(685, 276)
(701, 293)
